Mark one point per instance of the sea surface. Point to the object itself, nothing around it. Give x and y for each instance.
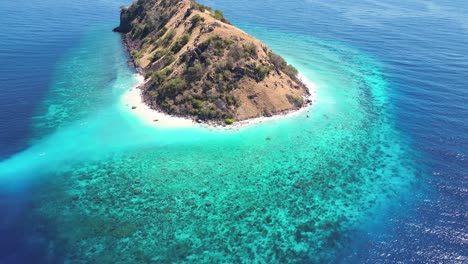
(375, 172)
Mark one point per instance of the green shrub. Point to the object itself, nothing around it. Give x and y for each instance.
(250, 49)
(196, 19)
(131, 12)
(160, 76)
(164, 104)
(231, 100)
(139, 31)
(227, 75)
(215, 43)
(263, 72)
(180, 43)
(148, 40)
(161, 32)
(277, 61)
(229, 121)
(136, 54)
(219, 15)
(219, 52)
(290, 71)
(200, 7)
(169, 37)
(136, 31)
(149, 74)
(216, 40)
(157, 55)
(236, 52)
(146, 30)
(153, 94)
(197, 104)
(298, 101)
(281, 64)
(173, 87)
(168, 59)
(194, 73)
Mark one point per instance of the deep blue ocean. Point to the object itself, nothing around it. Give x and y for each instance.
(59, 58)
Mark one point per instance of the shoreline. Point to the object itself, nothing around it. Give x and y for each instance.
(132, 101)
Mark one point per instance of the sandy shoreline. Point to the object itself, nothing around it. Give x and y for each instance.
(132, 101)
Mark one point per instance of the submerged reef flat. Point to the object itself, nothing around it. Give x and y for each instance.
(207, 202)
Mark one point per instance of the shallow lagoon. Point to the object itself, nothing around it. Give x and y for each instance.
(108, 187)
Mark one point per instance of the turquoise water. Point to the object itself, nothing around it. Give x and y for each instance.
(113, 189)
(100, 186)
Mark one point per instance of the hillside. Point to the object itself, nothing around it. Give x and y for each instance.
(197, 64)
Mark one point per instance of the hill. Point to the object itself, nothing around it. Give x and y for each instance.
(196, 64)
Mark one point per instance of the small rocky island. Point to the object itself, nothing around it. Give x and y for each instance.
(196, 64)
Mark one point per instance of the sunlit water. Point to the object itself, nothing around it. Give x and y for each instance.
(92, 183)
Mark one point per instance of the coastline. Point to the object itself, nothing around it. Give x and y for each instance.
(132, 101)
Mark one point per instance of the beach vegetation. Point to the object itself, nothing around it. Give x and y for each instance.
(229, 121)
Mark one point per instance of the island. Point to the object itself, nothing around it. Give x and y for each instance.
(197, 65)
